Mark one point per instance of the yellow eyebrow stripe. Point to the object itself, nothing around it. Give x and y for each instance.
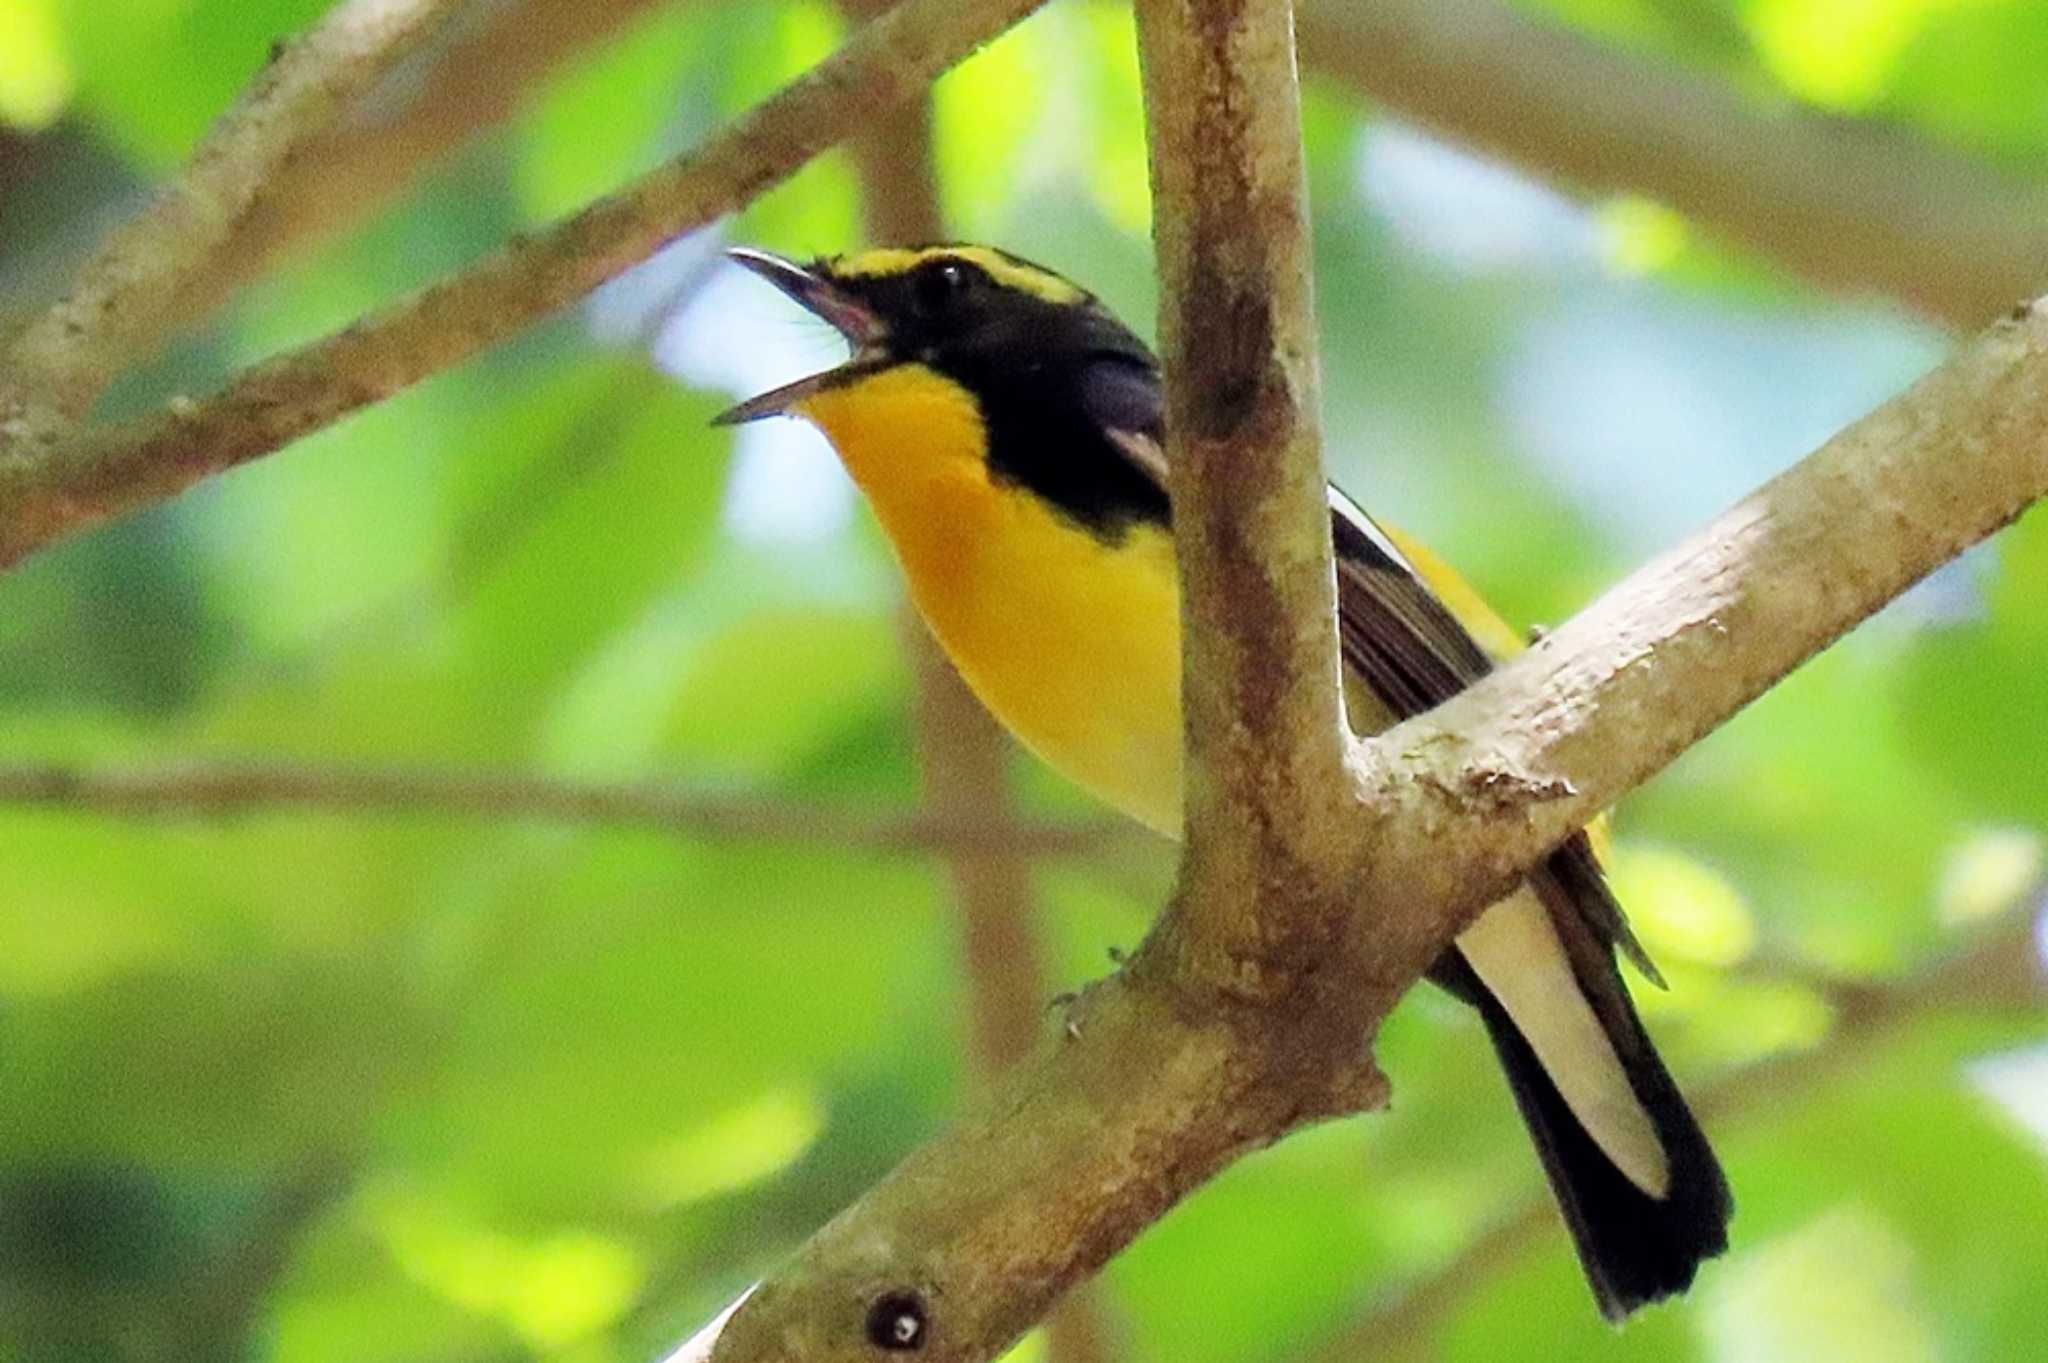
(1009, 272)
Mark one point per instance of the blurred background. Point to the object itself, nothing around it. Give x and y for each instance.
(486, 882)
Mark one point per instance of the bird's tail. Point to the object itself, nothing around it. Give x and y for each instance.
(1636, 1248)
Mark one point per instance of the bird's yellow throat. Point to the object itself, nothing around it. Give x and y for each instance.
(1070, 638)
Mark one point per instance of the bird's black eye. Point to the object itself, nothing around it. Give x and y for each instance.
(940, 285)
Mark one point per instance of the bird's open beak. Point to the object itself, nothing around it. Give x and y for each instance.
(823, 298)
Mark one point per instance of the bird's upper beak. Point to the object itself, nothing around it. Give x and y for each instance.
(824, 298)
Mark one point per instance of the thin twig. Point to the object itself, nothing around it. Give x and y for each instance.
(1851, 206)
(115, 309)
(2001, 971)
(65, 488)
(217, 789)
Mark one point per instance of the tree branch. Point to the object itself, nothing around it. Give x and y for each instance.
(216, 789)
(1262, 710)
(1512, 766)
(64, 488)
(1850, 206)
(2000, 971)
(114, 311)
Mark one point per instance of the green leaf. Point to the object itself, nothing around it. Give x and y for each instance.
(122, 50)
(1966, 78)
(210, 1069)
(36, 74)
(610, 495)
(629, 998)
(1823, 812)
(610, 113)
(1256, 1259)
(1961, 703)
(771, 685)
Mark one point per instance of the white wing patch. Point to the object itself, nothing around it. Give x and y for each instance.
(1343, 507)
(1515, 952)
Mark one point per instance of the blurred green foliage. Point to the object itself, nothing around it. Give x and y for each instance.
(374, 1087)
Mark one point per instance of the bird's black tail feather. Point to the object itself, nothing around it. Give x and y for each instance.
(1635, 1248)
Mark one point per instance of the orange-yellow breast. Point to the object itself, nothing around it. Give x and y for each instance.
(1072, 642)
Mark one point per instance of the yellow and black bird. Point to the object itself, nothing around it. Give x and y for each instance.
(1007, 430)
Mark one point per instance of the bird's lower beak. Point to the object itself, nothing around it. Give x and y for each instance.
(822, 298)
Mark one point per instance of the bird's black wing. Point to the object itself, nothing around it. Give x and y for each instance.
(1397, 636)
(1400, 637)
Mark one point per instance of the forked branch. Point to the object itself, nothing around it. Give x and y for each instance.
(1161, 1078)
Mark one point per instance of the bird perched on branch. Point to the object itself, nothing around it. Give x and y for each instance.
(1008, 432)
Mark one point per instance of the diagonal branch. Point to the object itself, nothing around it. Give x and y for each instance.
(1850, 206)
(59, 490)
(115, 310)
(1516, 763)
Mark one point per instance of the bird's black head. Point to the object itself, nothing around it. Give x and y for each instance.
(973, 313)
(1054, 374)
